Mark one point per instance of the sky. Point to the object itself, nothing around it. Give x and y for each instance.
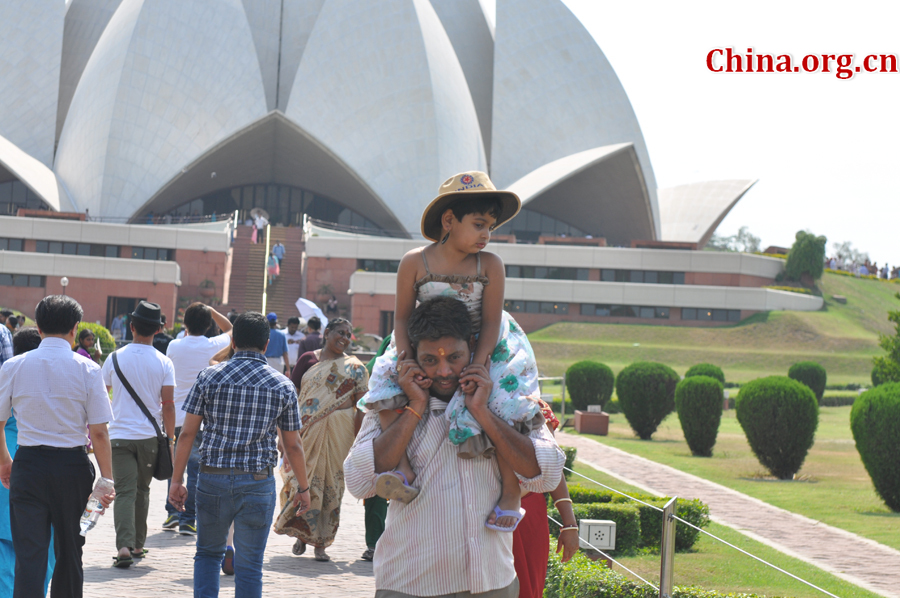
(826, 151)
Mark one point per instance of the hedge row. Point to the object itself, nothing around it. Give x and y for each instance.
(583, 578)
(637, 525)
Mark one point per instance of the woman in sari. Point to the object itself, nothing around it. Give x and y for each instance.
(329, 385)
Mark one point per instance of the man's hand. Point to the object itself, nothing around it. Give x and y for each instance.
(178, 495)
(477, 376)
(5, 472)
(413, 381)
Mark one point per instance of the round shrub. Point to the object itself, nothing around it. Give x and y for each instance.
(779, 417)
(589, 383)
(875, 422)
(698, 401)
(706, 369)
(646, 392)
(811, 374)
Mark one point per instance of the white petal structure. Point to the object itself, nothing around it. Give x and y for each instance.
(167, 80)
(555, 94)
(692, 212)
(85, 22)
(150, 105)
(31, 33)
(380, 85)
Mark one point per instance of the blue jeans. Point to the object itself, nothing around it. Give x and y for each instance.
(250, 504)
(193, 469)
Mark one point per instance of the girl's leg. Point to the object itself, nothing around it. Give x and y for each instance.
(510, 495)
(387, 417)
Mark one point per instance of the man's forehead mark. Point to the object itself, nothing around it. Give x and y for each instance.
(441, 351)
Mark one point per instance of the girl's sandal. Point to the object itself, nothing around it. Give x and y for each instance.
(393, 485)
(319, 555)
(299, 547)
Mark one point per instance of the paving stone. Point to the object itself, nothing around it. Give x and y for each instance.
(859, 560)
(168, 569)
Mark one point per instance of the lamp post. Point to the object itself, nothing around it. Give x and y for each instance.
(64, 281)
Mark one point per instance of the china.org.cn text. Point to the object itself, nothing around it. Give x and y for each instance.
(727, 60)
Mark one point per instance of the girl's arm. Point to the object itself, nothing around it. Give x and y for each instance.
(491, 306)
(405, 300)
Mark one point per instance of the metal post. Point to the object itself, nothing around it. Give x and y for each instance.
(266, 269)
(563, 395)
(667, 549)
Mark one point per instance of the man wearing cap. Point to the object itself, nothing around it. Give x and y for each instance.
(133, 437)
(277, 351)
(57, 395)
(190, 355)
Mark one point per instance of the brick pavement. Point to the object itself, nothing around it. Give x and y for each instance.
(168, 569)
(860, 561)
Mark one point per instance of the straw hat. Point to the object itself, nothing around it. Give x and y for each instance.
(466, 185)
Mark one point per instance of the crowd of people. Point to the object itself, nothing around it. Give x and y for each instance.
(442, 435)
(863, 268)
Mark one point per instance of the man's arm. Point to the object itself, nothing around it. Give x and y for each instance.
(177, 492)
(391, 443)
(221, 321)
(5, 458)
(168, 410)
(102, 449)
(515, 448)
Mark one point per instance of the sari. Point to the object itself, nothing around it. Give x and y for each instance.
(327, 436)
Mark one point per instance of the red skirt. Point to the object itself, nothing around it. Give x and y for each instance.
(531, 546)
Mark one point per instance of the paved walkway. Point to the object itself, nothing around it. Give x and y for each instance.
(168, 569)
(858, 560)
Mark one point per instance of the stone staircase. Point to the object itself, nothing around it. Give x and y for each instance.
(248, 272)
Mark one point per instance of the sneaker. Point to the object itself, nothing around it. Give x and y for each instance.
(369, 554)
(187, 529)
(228, 561)
(170, 523)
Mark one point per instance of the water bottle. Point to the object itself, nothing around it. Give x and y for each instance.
(93, 509)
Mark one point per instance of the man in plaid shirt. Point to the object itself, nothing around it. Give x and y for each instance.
(240, 402)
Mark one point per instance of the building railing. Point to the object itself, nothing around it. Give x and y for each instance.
(667, 544)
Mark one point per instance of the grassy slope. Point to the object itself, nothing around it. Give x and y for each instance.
(835, 489)
(712, 565)
(843, 338)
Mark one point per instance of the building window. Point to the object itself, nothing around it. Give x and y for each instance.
(152, 253)
(625, 311)
(22, 280)
(10, 244)
(86, 249)
(378, 265)
(536, 307)
(544, 272)
(386, 324)
(15, 195)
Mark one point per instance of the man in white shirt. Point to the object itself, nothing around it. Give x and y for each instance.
(57, 395)
(294, 336)
(419, 554)
(151, 376)
(191, 355)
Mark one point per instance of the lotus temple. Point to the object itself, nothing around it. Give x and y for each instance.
(137, 137)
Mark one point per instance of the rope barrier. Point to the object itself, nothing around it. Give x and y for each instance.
(607, 556)
(614, 490)
(689, 524)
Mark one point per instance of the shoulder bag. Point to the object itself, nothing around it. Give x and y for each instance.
(163, 469)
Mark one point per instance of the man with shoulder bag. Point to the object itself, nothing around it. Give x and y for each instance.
(143, 385)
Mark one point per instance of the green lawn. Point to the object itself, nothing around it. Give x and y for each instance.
(834, 487)
(843, 338)
(715, 566)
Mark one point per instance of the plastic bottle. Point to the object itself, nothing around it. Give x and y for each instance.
(94, 509)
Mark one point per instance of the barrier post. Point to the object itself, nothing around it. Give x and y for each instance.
(667, 549)
(563, 396)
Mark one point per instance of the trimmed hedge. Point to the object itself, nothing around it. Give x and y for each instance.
(627, 518)
(875, 422)
(584, 578)
(570, 453)
(646, 392)
(693, 511)
(838, 400)
(589, 383)
(706, 369)
(698, 401)
(779, 417)
(811, 374)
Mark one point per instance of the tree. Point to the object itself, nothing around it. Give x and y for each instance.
(807, 257)
(847, 253)
(887, 367)
(743, 241)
